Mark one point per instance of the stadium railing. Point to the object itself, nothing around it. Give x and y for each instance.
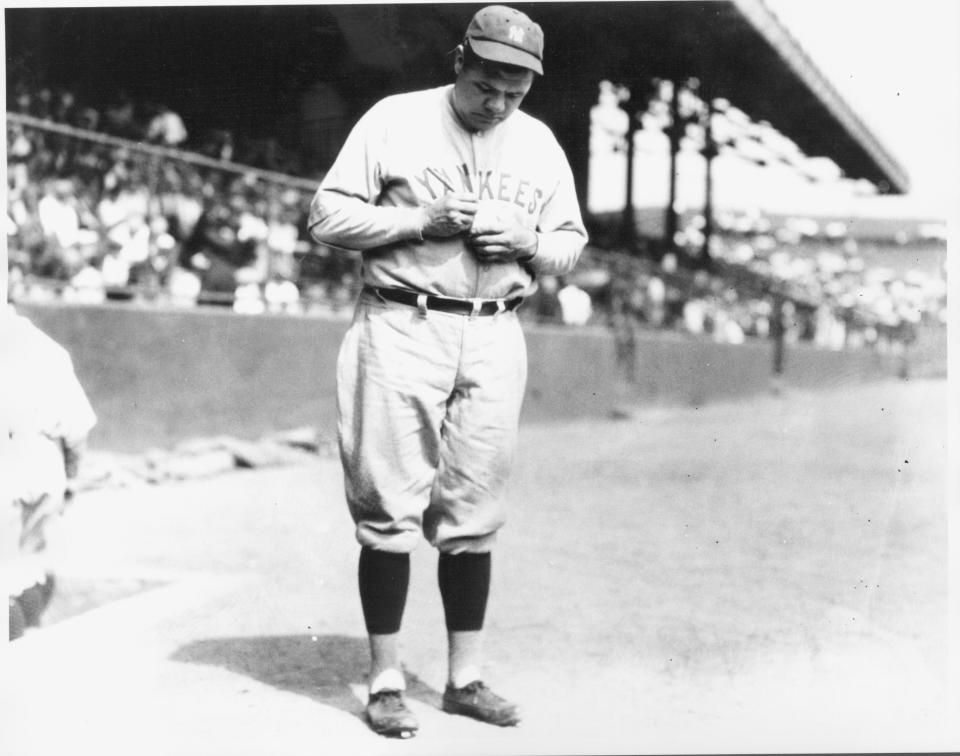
(162, 152)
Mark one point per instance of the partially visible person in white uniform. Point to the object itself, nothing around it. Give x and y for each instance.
(45, 419)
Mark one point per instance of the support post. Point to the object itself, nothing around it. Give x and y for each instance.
(674, 132)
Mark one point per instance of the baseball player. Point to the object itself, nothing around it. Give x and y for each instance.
(45, 418)
(457, 200)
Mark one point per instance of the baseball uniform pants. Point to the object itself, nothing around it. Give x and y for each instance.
(428, 408)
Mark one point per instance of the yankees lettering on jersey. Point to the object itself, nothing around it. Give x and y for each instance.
(483, 184)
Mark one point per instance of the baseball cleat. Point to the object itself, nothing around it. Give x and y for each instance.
(388, 714)
(478, 701)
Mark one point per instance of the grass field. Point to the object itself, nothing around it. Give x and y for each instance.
(751, 576)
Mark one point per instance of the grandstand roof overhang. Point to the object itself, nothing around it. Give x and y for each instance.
(223, 57)
(865, 154)
(736, 48)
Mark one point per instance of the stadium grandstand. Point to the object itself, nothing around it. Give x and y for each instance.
(167, 157)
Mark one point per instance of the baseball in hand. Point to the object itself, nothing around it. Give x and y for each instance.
(497, 236)
(487, 220)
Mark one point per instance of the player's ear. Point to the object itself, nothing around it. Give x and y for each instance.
(458, 59)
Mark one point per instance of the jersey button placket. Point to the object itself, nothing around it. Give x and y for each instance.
(476, 144)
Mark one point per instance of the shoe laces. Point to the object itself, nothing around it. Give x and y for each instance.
(481, 692)
(389, 697)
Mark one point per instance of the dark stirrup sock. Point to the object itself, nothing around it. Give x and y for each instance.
(384, 577)
(464, 587)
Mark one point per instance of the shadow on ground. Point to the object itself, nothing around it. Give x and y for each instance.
(76, 595)
(324, 668)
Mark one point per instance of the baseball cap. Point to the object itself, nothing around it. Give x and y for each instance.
(506, 35)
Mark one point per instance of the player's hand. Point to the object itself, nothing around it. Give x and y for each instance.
(449, 215)
(504, 242)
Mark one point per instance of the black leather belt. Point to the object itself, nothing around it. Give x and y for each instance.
(446, 304)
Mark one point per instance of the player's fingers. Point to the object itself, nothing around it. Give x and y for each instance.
(488, 238)
(492, 250)
(465, 207)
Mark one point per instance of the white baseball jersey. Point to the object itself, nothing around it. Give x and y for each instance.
(42, 408)
(42, 405)
(410, 149)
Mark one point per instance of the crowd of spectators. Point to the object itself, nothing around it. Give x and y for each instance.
(823, 295)
(839, 300)
(98, 221)
(89, 220)
(151, 121)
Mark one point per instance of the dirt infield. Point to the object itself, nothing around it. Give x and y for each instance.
(751, 576)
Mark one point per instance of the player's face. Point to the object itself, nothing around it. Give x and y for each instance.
(485, 98)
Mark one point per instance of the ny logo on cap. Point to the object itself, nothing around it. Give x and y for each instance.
(516, 34)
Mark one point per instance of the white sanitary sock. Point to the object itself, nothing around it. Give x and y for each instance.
(389, 679)
(466, 676)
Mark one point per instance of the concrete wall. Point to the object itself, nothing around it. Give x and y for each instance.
(159, 376)
(806, 366)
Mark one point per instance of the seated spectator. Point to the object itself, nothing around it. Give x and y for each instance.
(180, 201)
(86, 286)
(575, 305)
(282, 231)
(825, 328)
(166, 127)
(726, 330)
(114, 269)
(120, 118)
(67, 227)
(64, 107)
(23, 101)
(214, 252)
(694, 315)
(218, 143)
(248, 300)
(111, 211)
(252, 231)
(24, 233)
(41, 106)
(19, 152)
(654, 301)
(281, 295)
(87, 118)
(761, 312)
(129, 251)
(183, 287)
